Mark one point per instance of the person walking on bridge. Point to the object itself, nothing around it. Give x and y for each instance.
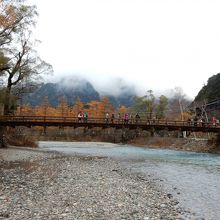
(107, 117)
(112, 118)
(195, 121)
(137, 118)
(214, 121)
(85, 117)
(131, 118)
(119, 117)
(79, 116)
(126, 118)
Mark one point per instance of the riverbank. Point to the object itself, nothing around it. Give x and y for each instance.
(199, 145)
(199, 142)
(196, 142)
(46, 185)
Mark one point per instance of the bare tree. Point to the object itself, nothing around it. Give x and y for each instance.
(19, 62)
(178, 103)
(24, 66)
(20, 65)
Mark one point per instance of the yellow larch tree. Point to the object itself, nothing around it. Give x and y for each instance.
(78, 107)
(63, 107)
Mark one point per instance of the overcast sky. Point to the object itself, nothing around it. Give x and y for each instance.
(155, 44)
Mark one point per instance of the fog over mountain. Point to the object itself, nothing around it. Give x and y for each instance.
(103, 85)
(110, 86)
(116, 87)
(70, 89)
(118, 92)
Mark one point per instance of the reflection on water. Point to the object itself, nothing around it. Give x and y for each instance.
(192, 178)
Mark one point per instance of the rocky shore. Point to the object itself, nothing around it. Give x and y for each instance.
(47, 185)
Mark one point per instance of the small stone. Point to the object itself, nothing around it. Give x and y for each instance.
(163, 206)
(169, 195)
(64, 214)
(89, 210)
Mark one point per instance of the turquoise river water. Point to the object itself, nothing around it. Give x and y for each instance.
(192, 178)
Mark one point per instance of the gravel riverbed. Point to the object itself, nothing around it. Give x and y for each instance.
(47, 185)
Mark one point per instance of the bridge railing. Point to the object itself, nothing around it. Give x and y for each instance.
(60, 119)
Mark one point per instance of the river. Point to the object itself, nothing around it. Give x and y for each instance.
(192, 178)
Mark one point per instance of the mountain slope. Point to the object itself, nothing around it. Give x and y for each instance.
(83, 89)
(71, 88)
(211, 91)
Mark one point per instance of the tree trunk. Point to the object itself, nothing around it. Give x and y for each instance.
(3, 144)
(7, 100)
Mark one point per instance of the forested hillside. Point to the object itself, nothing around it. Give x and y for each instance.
(210, 91)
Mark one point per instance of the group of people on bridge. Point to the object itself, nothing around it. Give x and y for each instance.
(130, 118)
(200, 121)
(83, 117)
(120, 118)
(126, 118)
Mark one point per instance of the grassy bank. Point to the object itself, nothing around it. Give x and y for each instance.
(188, 144)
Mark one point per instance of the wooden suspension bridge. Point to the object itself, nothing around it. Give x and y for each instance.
(145, 124)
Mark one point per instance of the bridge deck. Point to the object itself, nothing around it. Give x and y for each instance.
(45, 121)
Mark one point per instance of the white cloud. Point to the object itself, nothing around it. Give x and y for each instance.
(155, 44)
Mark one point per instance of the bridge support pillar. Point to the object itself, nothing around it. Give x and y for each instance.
(137, 132)
(45, 130)
(85, 129)
(181, 134)
(152, 132)
(123, 135)
(184, 134)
